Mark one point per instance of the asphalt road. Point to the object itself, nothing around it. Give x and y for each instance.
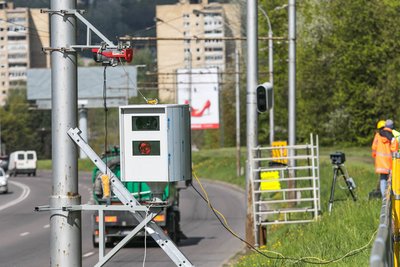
(25, 234)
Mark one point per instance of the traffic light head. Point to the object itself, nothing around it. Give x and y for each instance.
(264, 94)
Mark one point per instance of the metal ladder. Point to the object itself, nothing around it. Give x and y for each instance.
(284, 194)
(141, 213)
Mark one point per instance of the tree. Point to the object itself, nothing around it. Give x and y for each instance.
(20, 125)
(347, 68)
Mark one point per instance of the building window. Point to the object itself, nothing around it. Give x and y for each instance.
(17, 20)
(16, 38)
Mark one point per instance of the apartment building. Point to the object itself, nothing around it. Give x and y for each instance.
(193, 36)
(23, 33)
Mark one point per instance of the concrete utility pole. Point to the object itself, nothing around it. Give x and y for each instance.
(271, 80)
(189, 66)
(292, 88)
(292, 72)
(65, 241)
(237, 92)
(252, 116)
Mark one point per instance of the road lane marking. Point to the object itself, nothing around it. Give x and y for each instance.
(24, 234)
(25, 193)
(46, 226)
(88, 254)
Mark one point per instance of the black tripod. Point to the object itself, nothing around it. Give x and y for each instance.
(340, 170)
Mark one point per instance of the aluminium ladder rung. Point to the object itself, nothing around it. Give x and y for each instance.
(284, 222)
(297, 168)
(285, 190)
(284, 211)
(299, 157)
(283, 201)
(283, 147)
(310, 178)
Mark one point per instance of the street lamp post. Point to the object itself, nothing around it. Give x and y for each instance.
(271, 74)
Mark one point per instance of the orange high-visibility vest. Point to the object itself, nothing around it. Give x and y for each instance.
(382, 150)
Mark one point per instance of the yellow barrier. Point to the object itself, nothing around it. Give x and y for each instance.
(396, 207)
(280, 151)
(270, 180)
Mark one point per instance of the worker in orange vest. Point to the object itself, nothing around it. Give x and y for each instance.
(383, 146)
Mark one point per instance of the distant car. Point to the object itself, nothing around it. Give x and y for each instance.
(4, 162)
(3, 181)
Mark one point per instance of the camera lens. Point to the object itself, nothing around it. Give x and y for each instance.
(145, 123)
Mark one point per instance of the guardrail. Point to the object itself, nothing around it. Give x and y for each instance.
(386, 247)
(382, 249)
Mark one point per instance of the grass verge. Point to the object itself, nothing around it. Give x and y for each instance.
(344, 236)
(83, 165)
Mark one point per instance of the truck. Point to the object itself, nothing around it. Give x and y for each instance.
(22, 162)
(118, 224)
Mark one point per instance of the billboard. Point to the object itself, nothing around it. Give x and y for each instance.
(200, 88)
(121, 85)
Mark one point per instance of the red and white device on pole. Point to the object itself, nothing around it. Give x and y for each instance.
(112, 56)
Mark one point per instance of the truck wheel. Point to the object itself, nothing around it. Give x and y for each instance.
(95, 244)
(173, 227)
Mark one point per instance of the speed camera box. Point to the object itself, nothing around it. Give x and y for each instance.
(155, 143)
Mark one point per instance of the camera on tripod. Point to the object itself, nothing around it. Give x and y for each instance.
(338, 158)
(339, 170)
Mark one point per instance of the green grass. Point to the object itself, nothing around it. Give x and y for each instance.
(350, 226)
(218, 164)
(83, 165)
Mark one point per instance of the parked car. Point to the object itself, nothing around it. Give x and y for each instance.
(3, 181)
(4, 162)
(22, 162)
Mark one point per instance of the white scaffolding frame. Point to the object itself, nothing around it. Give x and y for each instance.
(272, 204)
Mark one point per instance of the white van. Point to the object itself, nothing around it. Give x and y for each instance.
(22, 162)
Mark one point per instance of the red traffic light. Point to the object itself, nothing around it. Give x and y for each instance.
(144, 148)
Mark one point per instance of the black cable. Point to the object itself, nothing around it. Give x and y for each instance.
(262, 253)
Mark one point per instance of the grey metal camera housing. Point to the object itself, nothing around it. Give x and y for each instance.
(338, 158)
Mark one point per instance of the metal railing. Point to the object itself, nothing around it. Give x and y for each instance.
(385, 250)
(285, 194)
(382, 249)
